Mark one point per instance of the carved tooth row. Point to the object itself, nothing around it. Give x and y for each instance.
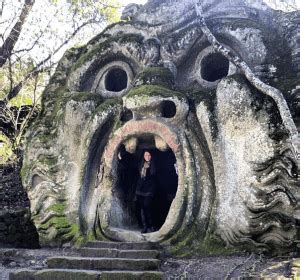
(160, 144)
(130, 145)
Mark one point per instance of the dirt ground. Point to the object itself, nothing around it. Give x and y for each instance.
(246, 266)
(249, 266)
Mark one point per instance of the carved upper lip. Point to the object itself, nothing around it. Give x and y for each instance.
(137, 128)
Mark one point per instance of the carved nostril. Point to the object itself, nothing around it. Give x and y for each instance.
(126, 115)
(168, 109)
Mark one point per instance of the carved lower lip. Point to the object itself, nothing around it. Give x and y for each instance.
(136, 129)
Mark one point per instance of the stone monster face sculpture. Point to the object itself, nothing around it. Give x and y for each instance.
(155, 82)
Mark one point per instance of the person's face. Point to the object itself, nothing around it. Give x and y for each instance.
(147, 156)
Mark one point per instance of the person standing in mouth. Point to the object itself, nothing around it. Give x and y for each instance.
(145, 191)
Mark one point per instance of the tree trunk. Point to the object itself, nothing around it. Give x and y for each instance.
(11, 40)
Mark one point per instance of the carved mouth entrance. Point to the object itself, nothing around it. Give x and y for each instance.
(119, 216)
(130, 159)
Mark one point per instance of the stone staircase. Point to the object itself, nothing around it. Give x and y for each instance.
(101, 260)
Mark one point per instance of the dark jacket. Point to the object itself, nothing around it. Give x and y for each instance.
(146, 186)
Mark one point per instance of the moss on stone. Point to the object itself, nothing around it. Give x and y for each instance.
(117, 123)
(64, 230)
(53, 116)
(80, 239)
(61, 100)
(126, 276)
(108, 104)
(48, 160)
(51, 97)
(73, 233)
(25, 170)
(58, 208)
(155, 76)
(45, 137)
(104, 33)
(56, 222)
(97, 50)
(208, 247)
(86, 96)
(213, 245)
(191, 242)
(209, 99)
(155, 90)
(130, 38)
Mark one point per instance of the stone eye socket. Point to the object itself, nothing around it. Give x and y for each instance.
(113, 79)
(214, 67)
(210, 67)
(116, 80)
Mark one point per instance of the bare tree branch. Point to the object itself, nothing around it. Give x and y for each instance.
(39, 67)
(33, 44)
(22, 68)
(12, 39)
(25, 121)
(110, 6)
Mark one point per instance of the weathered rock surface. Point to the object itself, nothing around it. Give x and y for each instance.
(16, 226)
(156, 83)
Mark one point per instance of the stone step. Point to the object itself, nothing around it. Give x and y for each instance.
(67, 274)
(103, 263)
(116, 253)
(123, 245)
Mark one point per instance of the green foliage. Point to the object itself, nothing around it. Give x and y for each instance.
(109, 9)
(30, 93)
(10, 75)
(31, 89)
(111, 12)
(40, 45)
(6, 149)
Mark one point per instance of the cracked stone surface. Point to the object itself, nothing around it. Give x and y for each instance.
(154, 82)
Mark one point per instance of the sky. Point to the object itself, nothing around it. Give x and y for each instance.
(285, 5)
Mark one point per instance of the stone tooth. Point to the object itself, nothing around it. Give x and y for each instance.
(130, 144)
(160, 144)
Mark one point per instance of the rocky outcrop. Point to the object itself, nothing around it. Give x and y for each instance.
(16, 227)
(155, 82)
